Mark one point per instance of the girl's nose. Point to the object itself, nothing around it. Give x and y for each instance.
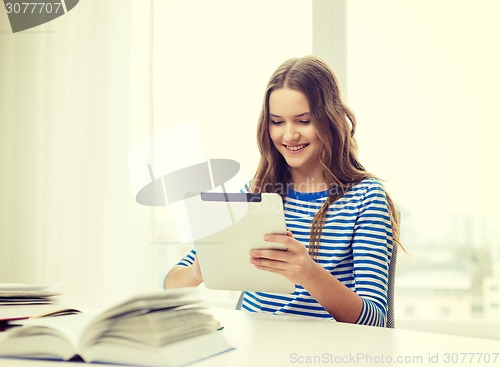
(291, 134)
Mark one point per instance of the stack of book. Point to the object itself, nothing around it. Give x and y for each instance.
(16, 294)
(22, 301)
(167, 328)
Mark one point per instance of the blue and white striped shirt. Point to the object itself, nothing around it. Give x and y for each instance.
(356, 248)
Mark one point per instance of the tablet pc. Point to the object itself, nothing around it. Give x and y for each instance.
(225, 227)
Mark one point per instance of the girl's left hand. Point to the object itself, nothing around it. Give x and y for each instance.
(294, 264)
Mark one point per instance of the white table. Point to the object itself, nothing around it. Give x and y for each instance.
(263, 340)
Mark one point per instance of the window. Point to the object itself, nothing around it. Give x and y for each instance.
(423, 88)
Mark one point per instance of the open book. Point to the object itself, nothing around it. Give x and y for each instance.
(167, 328)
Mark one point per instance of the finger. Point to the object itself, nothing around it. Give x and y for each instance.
(266, 264)
(284, 239)
(277, 255)
(271, 270)
(278, 238)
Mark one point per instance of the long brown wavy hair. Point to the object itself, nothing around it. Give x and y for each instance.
(335, 125)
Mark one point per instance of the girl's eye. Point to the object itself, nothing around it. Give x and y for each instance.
(304, 122)
(276, 122)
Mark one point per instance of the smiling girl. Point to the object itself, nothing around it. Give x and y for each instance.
(341, 223)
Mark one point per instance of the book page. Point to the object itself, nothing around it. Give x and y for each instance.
(30, 311)
(51, 337)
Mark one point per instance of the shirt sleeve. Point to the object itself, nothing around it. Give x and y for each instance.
(188, 259)
(372, 246)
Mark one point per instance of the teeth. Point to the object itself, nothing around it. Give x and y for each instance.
(296, 147)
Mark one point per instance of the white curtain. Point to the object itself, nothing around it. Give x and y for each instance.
(75, 97)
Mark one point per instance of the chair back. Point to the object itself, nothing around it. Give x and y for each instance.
(390, 289)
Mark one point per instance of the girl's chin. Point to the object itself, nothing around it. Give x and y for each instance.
(294, 164)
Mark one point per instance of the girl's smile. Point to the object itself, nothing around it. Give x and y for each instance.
(295, 149)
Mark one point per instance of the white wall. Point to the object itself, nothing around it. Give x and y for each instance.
(212, 62)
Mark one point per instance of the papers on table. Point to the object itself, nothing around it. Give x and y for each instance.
(17, 294)
(23, 301)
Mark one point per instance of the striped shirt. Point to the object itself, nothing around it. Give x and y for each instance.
(356, 248)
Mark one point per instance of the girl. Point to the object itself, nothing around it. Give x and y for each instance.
(342, 225)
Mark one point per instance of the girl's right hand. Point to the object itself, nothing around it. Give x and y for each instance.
(196, 271)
